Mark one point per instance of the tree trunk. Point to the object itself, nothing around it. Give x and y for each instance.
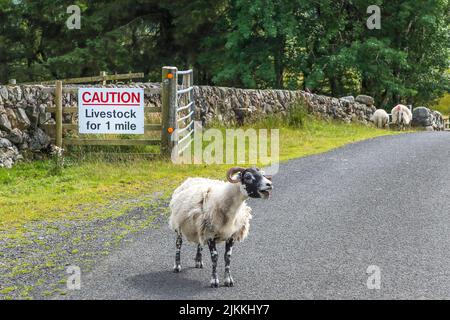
(335, 86)
(279, 61)
(385, 100)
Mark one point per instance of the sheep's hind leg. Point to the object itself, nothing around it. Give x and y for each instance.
(198, 257)
(214, 258)
(179, 242)
(228, 281)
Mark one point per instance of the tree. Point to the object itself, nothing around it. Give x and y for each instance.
(256, 35)
(323, 44)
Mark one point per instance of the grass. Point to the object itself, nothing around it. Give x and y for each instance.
(443, 105)
(31, 191)
(45, 199)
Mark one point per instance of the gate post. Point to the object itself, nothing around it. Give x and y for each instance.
(192, 97)
(169, 108)
(58, 113)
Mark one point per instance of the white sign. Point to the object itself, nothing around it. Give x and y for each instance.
(111, 110)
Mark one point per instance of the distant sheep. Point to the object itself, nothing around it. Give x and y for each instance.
(380, 118)
(207, 211)
(401, 116)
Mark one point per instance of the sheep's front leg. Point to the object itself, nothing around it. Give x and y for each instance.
(228, 281)
(214, 258)
(179, 242)
(198, 257)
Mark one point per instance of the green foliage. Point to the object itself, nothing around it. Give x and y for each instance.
(322, 45)
(297, 114)
(56, 164)
(443, 105)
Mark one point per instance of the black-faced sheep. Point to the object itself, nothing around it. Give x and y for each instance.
(401, 116)
(207, 211)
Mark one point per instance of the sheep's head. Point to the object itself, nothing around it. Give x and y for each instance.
(253, 181)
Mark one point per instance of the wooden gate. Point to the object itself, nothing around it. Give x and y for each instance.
(170, 94)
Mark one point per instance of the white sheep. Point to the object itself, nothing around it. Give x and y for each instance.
(381, 118)
(401, 116)
(207, 211)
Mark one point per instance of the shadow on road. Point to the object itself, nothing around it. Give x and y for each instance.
(168, 285)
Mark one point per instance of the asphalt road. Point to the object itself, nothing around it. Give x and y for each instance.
(382, 202)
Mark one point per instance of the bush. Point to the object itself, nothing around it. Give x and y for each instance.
(57, 161)
(297, 114)
(443, 105)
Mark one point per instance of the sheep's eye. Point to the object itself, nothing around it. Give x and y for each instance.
(248, 177)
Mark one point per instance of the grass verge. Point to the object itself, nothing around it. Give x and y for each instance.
(30, 192)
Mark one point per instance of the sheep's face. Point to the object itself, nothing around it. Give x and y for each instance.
(255, 184)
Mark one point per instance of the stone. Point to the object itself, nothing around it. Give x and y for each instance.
(5, 124)
(22, 119)
(5, 160)
(8, 155)
(15, 94)
(44, 117)
(12, 117)
(38, 140)
(350, 99)
(267, 108)
(15, 136)
(437, 121)
(367, 100)
(5, 143)
(4, 93)
(32, 112)
(422, 117)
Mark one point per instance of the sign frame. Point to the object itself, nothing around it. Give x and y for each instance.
(111, 110)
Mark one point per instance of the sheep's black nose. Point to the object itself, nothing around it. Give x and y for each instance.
(268, 184)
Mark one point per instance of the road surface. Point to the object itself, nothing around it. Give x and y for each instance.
(383, 202)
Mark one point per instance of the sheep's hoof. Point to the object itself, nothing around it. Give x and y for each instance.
(214, 282)
(199, 264)
(177, 268)
(228, 282)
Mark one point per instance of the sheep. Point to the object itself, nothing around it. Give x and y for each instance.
(380, 118)
(207, 211)
(401, 116)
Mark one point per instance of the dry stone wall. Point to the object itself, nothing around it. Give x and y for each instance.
(231, 105)
(23, 111)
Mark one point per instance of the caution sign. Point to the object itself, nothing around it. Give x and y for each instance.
(111, 110)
